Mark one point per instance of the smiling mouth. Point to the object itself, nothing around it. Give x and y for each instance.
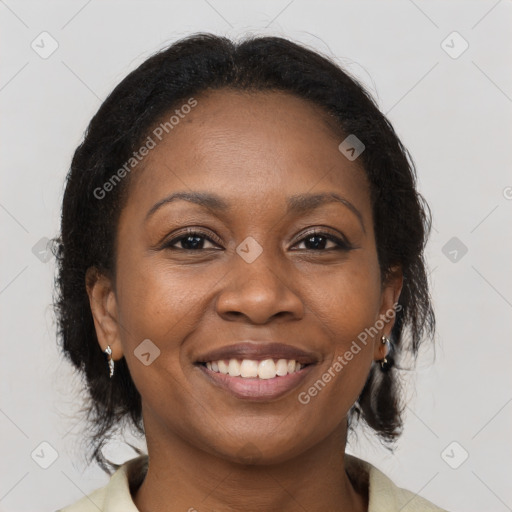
(253, 380)
(251, 368)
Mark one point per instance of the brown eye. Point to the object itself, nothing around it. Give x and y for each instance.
(321, 241)
(191, 241)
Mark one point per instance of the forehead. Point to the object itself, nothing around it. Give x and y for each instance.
(247, 145)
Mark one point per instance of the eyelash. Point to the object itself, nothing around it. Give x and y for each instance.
(342, 245)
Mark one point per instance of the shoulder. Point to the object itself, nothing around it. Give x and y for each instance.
(92, 502)
(385, 495)
(116, 495)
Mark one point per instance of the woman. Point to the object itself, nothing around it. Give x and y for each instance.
(241, 276)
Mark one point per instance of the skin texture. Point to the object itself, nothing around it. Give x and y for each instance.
(254, 150)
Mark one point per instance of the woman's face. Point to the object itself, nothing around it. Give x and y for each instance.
(252, 282)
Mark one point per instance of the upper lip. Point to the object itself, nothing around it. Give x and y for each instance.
(258, 351)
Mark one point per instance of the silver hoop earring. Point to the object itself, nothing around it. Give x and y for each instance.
(108, 351)
(384, 361)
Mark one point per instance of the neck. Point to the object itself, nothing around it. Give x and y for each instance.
(182, 477)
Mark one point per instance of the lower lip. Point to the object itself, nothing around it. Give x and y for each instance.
(254, 388)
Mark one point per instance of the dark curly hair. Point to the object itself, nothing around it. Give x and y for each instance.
(193, 65)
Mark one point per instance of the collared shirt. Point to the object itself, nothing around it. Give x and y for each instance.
(384, 495)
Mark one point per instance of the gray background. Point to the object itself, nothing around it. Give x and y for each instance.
(453, 114)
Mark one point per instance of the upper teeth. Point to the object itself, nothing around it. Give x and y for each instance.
(266, 369)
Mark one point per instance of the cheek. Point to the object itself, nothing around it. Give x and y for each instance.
(158, 298)
(346, 299)
(346, 304)
(162, 303)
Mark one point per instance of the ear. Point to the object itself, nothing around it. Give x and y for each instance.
(103, 303)
(391, 288)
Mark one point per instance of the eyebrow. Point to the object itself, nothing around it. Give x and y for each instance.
(210, 201)
(302, 203)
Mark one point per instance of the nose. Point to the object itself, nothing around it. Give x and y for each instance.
(258, 293)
